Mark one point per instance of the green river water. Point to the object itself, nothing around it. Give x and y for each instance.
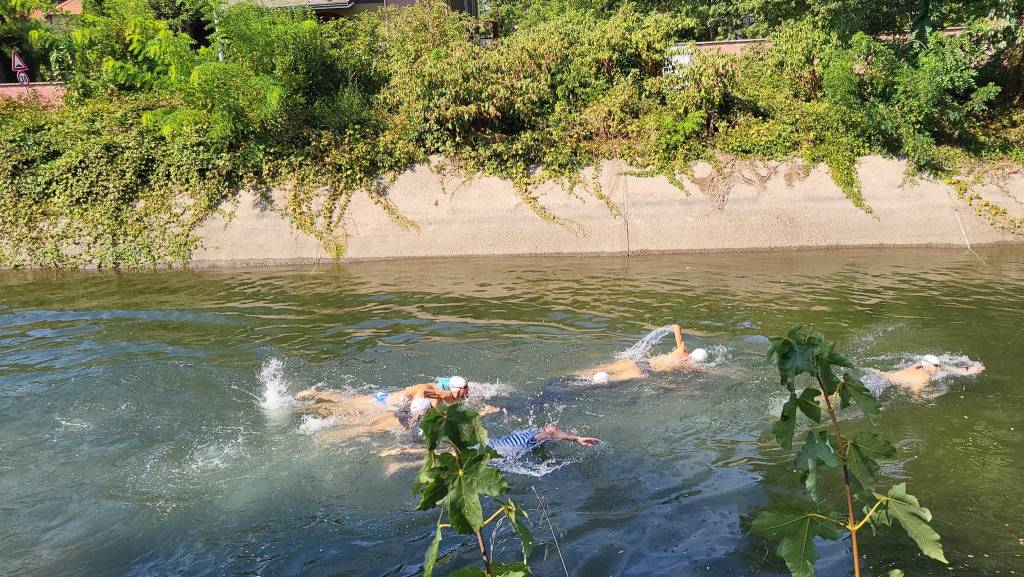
(144, 427)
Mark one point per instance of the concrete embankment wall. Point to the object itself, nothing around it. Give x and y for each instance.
(763, 207)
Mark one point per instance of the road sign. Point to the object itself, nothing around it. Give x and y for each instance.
(23, 78)
(17, 64)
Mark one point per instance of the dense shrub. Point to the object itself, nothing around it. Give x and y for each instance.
(326, 109)
(90, 185)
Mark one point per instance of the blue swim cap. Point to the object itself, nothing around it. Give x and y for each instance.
(444, 383)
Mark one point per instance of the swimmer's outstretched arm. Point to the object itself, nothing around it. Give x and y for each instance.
(557, 435)
(974, 369)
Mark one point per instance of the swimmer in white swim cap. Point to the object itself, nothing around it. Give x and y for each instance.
(920, 374)
(679, 359)
(446, 389)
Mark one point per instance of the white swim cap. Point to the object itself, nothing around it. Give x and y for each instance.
(931, 360)
(419, 406)
(699, 355)
(600, 378)
(456, 383)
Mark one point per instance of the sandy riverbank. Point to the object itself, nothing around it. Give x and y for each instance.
(769, 207)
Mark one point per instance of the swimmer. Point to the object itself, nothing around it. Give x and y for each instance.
(371, 426)
(519, 443)
(626, 369)
(920, 374)
(510, 446)
(448, 390)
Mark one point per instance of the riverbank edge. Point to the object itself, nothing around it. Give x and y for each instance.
(751, 206)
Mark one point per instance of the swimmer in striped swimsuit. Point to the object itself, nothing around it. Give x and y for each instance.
(518, 443)
(510, 446)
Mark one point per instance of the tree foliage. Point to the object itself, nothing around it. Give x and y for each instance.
(807, 353)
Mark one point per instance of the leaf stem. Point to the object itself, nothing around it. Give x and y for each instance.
(483, 553)
(852, 525)
(493, 517)
(870, 513)
(826, 518)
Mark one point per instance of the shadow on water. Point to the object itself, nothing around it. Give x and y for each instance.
(133, 440)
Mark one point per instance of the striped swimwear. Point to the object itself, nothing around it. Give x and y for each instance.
(516, 444)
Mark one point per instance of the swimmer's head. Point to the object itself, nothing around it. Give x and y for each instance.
(459, 386)
(419, 406)
(931, 360)
(699, 355)
(600, 378)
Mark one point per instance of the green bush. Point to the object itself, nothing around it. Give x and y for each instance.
(90, 185)
(328, 109)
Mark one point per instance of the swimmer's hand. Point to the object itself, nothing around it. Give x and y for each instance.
(489, 410)
(587, 441)
(975, 369)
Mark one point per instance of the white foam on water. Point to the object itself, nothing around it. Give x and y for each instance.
(642, 348)
(529, 468)
(215, 455)
(74, 424)
(311, 424)
(275, 389)
(717, 355)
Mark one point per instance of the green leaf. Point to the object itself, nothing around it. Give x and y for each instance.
(808, 404)
(895, 573)
(823, 362)
(483, 478)
(908, 512)
(820, 445)
(852, 389)
(863, 453)
(795, 531)
(794, 355)
(810, 479)
(510, 570)
(431, 483)
(464, 486)
(783, 428)
(431, 557)
(517, 518)
(463, 505)
(497, 569)
(457, 424)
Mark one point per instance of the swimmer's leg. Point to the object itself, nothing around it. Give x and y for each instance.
(381, 425)
(394, 467)
(400, 451)
(319, 396)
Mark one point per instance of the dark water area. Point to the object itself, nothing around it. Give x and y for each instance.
(144, 426)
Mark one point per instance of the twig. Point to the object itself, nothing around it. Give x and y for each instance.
(547, 516)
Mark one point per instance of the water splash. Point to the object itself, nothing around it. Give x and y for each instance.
(717, 355)
(275, 389)
(530, 468)
(643, 347)
(311, 424)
